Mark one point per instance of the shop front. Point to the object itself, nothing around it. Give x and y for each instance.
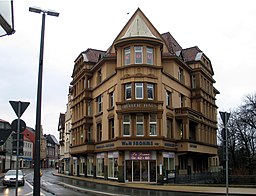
(140, 166)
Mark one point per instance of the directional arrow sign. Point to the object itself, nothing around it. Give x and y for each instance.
(15, 106)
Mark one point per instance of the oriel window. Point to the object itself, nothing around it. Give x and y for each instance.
(150, 91)
(139, 90)
(128, 91)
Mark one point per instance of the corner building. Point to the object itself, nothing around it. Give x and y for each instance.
(143, 108)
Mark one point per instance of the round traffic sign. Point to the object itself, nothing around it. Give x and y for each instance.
(14, 125)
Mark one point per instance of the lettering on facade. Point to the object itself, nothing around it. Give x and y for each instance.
(172, 145)
(139, 105)
(105, 146)
(140, 155)
(137, 143)
(193, 146)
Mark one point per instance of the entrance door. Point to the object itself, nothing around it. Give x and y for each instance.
(152, 171)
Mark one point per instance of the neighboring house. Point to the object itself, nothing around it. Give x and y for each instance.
(144, 109)
(26, 160)
(52, 151)
(43, 151)
(5, 146)
(62, 134)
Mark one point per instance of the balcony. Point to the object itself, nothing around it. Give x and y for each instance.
(82, 148)
(187, 146)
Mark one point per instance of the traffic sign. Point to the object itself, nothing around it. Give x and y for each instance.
(15, 106)
(224, 116)
(14, 125)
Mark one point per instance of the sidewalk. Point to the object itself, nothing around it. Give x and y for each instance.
(171, 187)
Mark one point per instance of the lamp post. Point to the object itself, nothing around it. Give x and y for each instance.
(36, 190)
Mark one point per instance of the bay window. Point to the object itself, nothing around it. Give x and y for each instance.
(139, 90)
(128, 91)
(149, 56)
(126, 125)
(140, 125)
(127, 56)
(152, 124)
(150, 91)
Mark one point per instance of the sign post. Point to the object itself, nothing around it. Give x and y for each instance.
(225, 116)
(19, 108)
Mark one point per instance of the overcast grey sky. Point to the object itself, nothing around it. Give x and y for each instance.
(225, 30)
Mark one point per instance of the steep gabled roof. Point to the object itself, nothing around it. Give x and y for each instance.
(171, 43)
(51, 139)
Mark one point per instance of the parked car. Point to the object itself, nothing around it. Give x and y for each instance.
(10, 178)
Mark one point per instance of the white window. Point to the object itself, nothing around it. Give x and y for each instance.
(182, 100)
(152, 124)
(150, 56)
(127, 56)
(138, 54)
(89, 108)
(140, 125)
(168, 98)
(111, 99)
(99, 101)
(126, 125)
(150, 91)
(181, 75)
(128, 91)
(139, 90)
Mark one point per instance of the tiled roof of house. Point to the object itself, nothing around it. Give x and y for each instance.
(191, 54)
(171, 43)
(93, 55)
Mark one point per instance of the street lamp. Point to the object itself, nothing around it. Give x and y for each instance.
(36, 190)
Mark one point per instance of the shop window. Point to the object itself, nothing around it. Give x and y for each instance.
(168, 98)
(140, 125)
(128, 91)
(99, 132)
(99, 103)
(139, 90)
(126, 125)
(138, 54)
(90, 166)
(152, 124)
(113, 168)
(150, 55)
(100, 167)
(127, 56)
(111, 128)
(150, 91)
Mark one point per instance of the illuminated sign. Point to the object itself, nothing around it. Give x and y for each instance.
(140, 156)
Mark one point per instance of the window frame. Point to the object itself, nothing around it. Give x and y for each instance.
(127, 56)
(125, 123)
(111, 99)
(128, 88)
(150, 86)
(150, 53)
(139, 85)
(151, 123)
(138, 50)
(99, 103)
(140, 123)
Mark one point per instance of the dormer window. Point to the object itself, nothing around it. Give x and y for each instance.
(138, 54)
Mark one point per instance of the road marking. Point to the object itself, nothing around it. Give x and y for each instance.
(31, 193)
(89, 190)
